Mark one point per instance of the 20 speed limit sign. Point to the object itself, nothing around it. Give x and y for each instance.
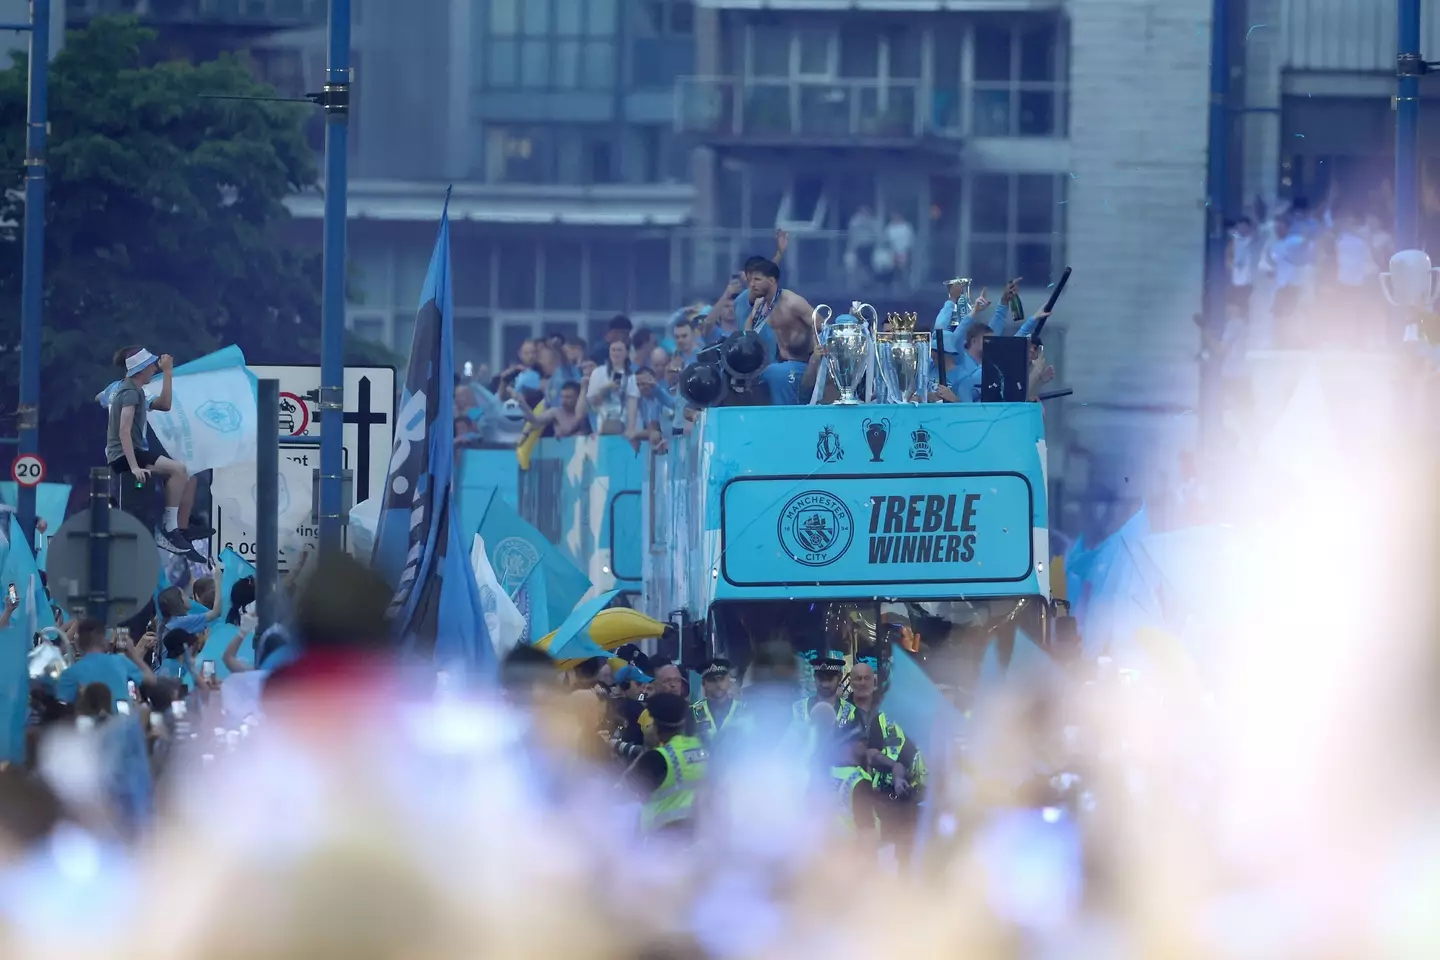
(28, 470)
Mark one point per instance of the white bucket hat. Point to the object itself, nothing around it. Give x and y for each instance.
(139, 361)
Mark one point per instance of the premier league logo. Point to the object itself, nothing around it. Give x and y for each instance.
(816, 528)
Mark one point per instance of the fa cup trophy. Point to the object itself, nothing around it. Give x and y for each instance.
(904, 354)
(847, 341)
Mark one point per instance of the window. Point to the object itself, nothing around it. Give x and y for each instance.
(402, 333)
(516, 275)
(470, 267)
(651, 269)
(568, 153)
(610, 275)
(472, 342)
(1017, 87)
(564, 275)
(662, 42)
(369, 328)
(550, 44)
(660, 155)
(1017, 226)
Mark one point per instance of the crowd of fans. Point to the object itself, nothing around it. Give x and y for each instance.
(628, 384)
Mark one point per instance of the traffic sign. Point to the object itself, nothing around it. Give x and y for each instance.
(233, 493)
(28, 470)
(134, 566)
(369, 416)
(294, 415)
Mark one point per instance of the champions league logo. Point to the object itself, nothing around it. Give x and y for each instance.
(816, 528)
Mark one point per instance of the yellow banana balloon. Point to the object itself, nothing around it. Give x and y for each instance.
(610, 629)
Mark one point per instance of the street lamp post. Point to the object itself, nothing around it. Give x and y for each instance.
(1410, 66)
(336, 101)
(32, 282)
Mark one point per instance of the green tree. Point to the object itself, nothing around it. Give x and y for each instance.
(166, 222)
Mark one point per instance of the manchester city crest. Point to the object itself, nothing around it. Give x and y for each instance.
(816, 528)
(513, 559)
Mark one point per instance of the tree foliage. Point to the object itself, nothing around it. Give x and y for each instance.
(166, 222)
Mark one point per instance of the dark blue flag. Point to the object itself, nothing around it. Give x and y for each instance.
(436, 609)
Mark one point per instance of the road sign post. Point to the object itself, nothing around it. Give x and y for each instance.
(267, 507)
(32, 279)
(28, 470)
(103, 561)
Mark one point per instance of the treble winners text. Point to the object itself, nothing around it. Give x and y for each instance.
(923, 529)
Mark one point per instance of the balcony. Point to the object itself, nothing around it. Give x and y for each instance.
(266, 14)
(798, 112)
(815, 265)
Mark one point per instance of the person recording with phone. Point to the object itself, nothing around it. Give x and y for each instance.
(96, 664)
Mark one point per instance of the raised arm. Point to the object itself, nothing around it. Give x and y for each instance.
(162, 402)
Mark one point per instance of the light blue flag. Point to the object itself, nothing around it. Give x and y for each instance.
(212, 421)
(1078, 560)
(1118, 599)
(436, 609)
(913, 701)
(992, 671)
(1030, 664)
(15, 642)
(576, 628)
(52, 500)
(541, 580)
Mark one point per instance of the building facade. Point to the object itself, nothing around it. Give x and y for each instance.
(554, 121)
(1318, 85)
(627, 155)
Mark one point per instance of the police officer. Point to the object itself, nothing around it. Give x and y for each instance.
(851, 787)
(828, 672)
(717, 709)
(899, 767)
(669, 775)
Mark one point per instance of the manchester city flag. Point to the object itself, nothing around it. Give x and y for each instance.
(436, 609)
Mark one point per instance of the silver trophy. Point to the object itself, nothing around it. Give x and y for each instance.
(847, 340)
(963, 306)
(904, 355)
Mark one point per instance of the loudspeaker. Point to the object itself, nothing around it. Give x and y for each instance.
(1005, 376)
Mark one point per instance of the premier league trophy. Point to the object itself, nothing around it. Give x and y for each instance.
(904, 355)
(847, 340)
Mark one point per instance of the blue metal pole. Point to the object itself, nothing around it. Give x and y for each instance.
(1407, 127)
(336, 101)
(1212, 321)
(267, 509)
(32, 283)
(98, 602)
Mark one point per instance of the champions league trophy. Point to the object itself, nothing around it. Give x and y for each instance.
(847, 344)
(904, 354)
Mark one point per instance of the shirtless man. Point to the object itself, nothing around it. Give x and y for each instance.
(780, 316)
(571, 418)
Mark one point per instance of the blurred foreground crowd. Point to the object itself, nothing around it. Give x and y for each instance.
(370, 808)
